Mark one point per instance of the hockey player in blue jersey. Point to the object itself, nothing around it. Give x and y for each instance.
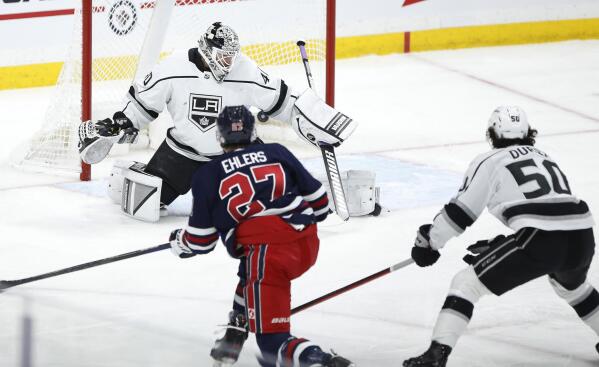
(264, 206)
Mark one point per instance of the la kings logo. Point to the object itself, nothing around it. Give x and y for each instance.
(203, 110)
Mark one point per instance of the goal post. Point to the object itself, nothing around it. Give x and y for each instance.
(86, 75)
(148, 56)
(116, 40)
(331, 35)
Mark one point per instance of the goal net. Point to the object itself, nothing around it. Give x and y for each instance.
(129, 36)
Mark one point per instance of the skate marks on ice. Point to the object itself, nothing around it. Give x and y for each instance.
(538, 344)
(181, 207)
(425, 59)
(70, 332)
(403, 184)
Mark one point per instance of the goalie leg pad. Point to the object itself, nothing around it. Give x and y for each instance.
(361, 192)
(141, 195)
(117, 176)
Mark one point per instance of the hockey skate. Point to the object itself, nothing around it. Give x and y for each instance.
(338, 361)
(435, 356)
(377, 210)
(314, 356)
(226, 350)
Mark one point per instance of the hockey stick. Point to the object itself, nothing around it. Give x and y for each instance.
(351, 286)
(328, 152)
(4, 284)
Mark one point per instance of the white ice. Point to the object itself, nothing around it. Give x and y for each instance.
(422, 119)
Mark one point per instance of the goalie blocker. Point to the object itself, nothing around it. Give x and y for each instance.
(324, 127)
(320, 124)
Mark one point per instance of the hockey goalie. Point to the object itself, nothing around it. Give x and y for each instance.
(194, 86)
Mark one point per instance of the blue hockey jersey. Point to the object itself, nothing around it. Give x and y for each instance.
(259, 180)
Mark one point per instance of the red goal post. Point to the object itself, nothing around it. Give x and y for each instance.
(117, 40)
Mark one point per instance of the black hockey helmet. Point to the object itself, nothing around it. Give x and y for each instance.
(236, 126)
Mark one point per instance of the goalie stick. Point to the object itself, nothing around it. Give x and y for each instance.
(328, 152)
(4, 284)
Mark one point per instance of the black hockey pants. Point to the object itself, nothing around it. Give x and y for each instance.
(530, 253)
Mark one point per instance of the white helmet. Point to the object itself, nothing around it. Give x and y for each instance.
(219, 47)
(509, 122)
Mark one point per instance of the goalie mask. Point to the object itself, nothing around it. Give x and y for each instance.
(509, 122)
(219, 47)
(235, 125)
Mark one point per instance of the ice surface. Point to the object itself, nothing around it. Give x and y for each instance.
(422, 120)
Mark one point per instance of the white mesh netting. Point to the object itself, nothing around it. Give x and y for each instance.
(268, 31)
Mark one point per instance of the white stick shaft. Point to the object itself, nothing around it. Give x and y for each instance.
(400, 265)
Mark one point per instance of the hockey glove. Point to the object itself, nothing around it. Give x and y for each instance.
(120, 126)
(178, 245)
(422, 253)
(119, 129)
(318, 123)
(96, 138)
(480, 247)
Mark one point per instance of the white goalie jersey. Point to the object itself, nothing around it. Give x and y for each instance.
(194, 99)
(521, 186)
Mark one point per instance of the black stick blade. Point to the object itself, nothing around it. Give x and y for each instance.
(6, 284)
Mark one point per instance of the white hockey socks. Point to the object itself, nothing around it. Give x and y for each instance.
(452, 323)
(466, 289)
(584, 300)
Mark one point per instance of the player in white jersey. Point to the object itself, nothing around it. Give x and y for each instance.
(195, 86)
(526, 190)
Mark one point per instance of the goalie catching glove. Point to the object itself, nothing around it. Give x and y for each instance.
(97, 137)
(320, 124)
